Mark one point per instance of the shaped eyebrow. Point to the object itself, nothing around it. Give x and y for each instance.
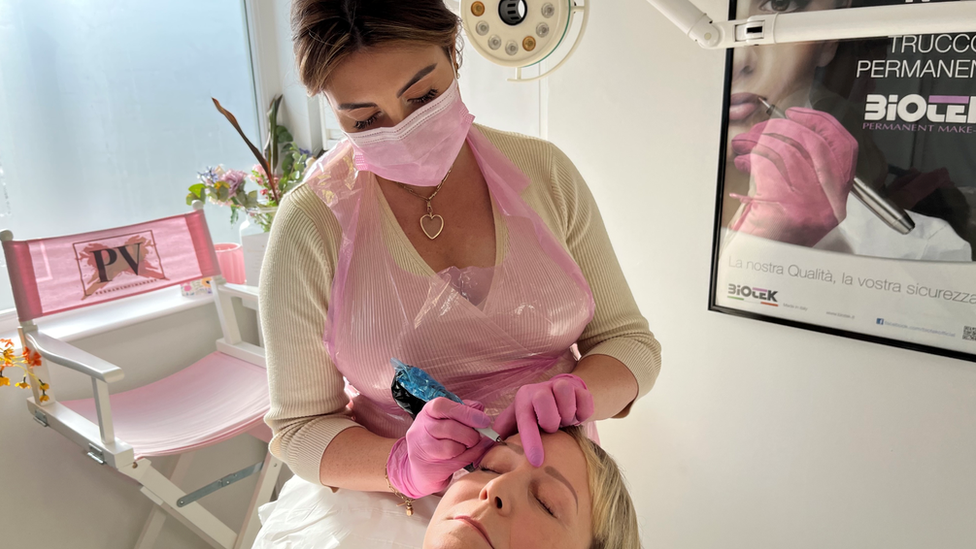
(416, 78)
(558, 476)
(550, 470)
(512, 446)
(353, 106)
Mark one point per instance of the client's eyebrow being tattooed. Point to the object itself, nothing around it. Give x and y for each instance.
(514, 447)
(552, 471)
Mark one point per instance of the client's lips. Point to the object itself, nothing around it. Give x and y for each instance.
(742, 106)
(474, 523)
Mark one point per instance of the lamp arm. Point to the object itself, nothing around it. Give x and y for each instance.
(692, 21)
(841, 24)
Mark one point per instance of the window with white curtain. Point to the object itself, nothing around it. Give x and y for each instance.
(105, 111)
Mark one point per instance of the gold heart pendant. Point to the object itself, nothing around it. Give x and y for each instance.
(432, 220)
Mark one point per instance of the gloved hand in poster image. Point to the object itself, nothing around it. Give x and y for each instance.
(802, 169)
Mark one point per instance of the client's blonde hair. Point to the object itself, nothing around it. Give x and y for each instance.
(614, 517)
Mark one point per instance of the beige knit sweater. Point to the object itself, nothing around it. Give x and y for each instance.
(308, 403)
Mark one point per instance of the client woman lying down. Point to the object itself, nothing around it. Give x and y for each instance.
(576, 499)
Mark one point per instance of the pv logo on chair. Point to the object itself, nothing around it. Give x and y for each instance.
(119, 262)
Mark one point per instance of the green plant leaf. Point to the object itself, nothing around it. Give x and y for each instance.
(286, 164)
(233, 215)
(198, 189)
(284, 136)
(190, 198)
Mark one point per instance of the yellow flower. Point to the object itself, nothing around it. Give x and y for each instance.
(45, 398)
(23, 384)
(4, 381)
(45, 386)
(8, 355)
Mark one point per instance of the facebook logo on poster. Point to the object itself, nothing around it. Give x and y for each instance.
(880, 321)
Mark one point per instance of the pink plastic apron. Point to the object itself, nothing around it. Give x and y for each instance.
(483, 333)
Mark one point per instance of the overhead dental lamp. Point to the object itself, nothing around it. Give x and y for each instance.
(521, 33)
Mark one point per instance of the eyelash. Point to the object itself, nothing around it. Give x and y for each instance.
(427, 97)
(363, 124)
(542, 503)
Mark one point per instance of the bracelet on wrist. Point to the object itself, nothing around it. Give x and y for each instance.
(406, 501)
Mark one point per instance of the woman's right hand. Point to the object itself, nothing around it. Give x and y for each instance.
(441, 440)
(802, 168)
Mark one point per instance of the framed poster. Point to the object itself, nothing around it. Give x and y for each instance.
(847, 185)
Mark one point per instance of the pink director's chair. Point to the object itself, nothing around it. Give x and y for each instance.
(219, 397)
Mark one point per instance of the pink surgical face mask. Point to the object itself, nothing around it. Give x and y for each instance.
(422, 147)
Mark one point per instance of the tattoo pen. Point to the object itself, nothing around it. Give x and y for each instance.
(412, 388)
(891, 214)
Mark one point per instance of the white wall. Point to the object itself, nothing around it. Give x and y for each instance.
(756, 435)
(52, 495)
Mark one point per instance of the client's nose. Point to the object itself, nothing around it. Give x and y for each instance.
(495, 494)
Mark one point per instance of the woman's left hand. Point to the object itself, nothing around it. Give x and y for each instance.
(561, 401)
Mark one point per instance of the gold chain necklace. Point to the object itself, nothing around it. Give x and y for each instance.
(430, 218)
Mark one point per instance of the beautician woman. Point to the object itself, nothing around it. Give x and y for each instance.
(476, 254)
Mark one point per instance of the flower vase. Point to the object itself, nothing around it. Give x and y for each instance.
(254, 240)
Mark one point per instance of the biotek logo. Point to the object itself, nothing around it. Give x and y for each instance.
(744, 293)
(118, 262)
(941, 109)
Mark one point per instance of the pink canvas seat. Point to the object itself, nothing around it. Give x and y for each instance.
(178, 414)
(222, 395)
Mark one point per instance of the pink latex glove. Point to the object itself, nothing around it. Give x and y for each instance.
(802, 168)
(560, 401)
(441, 440)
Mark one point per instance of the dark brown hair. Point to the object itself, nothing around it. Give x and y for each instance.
(326, 32)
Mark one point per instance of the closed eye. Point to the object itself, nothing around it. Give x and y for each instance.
(363, 124)
(425, 98)
(546, 507)
(429, 96)
(542, 503)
